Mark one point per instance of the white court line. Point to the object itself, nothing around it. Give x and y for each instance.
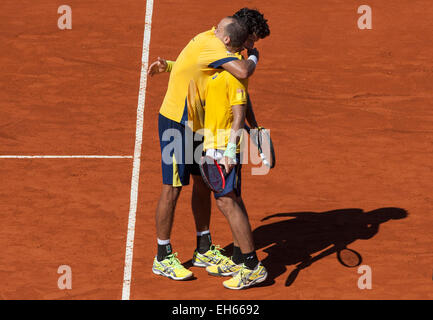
(137, 153)
(65, 157)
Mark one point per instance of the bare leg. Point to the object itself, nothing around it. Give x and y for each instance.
(165, 211)
(201, 204)
(238, 221)
(244, 210)
(242, 205)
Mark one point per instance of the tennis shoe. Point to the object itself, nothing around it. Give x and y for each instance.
(211, 257)
(171, 267)
(246, 278)
(224, 269)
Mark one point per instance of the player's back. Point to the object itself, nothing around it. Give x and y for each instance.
(197, 62)
(183, 71)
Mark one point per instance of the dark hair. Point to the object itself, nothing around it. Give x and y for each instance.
(237, 32)
(254, 21)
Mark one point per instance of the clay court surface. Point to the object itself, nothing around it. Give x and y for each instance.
(351, 117)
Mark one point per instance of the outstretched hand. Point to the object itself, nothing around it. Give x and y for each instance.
(159, 66)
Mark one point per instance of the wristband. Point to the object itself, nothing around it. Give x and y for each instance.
(230, 150)
(253, 58)
(169, 65)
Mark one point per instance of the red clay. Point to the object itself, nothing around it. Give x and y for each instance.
(350, 116)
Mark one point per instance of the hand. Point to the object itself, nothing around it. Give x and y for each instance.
(228, 163)
(159, 66)
(253, 51)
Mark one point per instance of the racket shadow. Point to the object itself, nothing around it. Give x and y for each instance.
(306, 237)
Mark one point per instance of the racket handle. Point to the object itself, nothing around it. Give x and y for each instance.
(247, 128)
(264, 160)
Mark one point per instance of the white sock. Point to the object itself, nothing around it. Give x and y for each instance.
(201, 233)
(163, 242)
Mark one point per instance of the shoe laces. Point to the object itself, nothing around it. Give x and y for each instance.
(216, 250)
(242, 272)
(241, 275)
(174, 261)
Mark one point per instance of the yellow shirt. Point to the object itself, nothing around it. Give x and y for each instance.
(196, 63)
(222, 92)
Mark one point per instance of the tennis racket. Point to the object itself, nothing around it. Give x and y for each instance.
(213, 174)
(261, 138)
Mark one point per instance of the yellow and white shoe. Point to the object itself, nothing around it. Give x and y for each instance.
(224, 269)
(211, 257)
(246, 278)
(171, 267)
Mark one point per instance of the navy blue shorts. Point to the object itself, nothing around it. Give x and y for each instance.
(233, 181)
(177, 152)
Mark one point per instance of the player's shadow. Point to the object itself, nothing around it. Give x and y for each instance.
(295, 240)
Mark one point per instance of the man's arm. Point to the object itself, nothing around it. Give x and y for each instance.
(243, 69)
(251, 118)
(239, 113)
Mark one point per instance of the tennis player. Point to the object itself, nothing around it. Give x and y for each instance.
(198, 61)
(225, 112)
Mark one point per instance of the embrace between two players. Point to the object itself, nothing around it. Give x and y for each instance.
(208, 88)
